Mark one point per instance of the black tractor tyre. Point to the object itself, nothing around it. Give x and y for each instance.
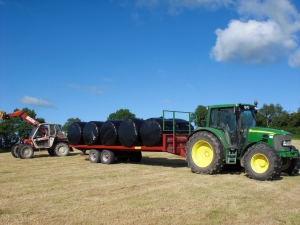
(262, 162)
(14, 151)
(25, 151)
(94, 156)
(51, 152)
(291, 166)
(204, 153)
(107, 157)
(135, 157)
(62, 149)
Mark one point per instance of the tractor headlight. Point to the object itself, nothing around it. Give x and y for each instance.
(286, 143)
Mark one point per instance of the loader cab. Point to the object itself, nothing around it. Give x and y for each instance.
(234, 120)
(43, 135)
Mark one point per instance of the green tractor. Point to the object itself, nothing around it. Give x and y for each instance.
(229, 136)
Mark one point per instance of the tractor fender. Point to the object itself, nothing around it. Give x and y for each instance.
(216, 132)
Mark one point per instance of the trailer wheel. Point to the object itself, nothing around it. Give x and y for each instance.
(262, 162)
(204, 153)
(107, 157)
(95, 156)
(51, 152)
(25, 151)
(290, 166)
(62, 149)
(135, 157)
(14, 151)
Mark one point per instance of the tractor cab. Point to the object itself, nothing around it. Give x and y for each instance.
(44, 135)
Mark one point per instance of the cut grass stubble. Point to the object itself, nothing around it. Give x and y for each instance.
(159, 190)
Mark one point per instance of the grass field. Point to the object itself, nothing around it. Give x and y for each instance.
(159, 190)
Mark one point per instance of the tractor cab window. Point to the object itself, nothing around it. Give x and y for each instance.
(52, 130)
(247, 119)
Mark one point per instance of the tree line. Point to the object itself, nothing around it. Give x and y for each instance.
(272, 116)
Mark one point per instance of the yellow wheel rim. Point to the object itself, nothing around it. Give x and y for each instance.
(286, 162)
(202, 153)
(259, 163)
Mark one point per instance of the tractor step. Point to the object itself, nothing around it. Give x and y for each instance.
(231, 159)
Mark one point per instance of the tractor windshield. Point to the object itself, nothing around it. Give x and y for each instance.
(247, 119)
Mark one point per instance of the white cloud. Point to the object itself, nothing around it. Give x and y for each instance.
(269, 36)
(294, 60)
(27, 100)
(165, 101)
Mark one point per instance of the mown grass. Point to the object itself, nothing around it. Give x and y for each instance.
(159, 190)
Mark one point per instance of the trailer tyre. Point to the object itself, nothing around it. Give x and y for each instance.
(62, 149)
(25, 151)
(95, 156)
(14, 151)
(107, 157)
(291, 166)
(204, 153)
(135, 157)
(262, 162)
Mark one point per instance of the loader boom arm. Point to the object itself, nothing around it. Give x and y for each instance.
(20, 113)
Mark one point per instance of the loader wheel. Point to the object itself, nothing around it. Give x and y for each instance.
(204, 153)
(95, 156)
(62, 149)
(107, 157)
(262, 162)
(25, 151)
(135, 157)
(14, 151)
(290, 166)
(51, 152)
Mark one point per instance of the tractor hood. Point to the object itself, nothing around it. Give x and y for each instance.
(268, 131)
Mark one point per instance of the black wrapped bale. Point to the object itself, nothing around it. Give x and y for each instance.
(182, 126)
(109, 132)
(129, 132)
(91, 133)
(75, 133)
(152, 130)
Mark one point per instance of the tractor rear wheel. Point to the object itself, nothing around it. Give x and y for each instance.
(25, 151)
(62, 149)
(107, 157)
(262, 162)
(94, 156)
(14, 151)
(204, 153)
(291, 166)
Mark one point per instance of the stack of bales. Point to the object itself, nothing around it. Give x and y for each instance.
(128, 132)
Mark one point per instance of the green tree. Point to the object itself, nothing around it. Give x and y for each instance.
(66, 126)
(121, 114)
(15, 128)
(199, 115)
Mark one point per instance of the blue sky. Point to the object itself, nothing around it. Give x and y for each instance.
(87, 59)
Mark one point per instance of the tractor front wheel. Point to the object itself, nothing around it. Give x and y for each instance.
(25, 151)
(291, 166)
(14, 151)
(262, 162)
(204, 153)
(62, 149)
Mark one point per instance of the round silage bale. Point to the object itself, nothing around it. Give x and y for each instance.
(75, 132)
(109, 132)
(91, 133)
(152, 130)
(129, 132)
(182, 126)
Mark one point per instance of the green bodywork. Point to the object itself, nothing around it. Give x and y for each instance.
(234, 126)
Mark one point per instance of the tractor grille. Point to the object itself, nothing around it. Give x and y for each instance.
(278, 139)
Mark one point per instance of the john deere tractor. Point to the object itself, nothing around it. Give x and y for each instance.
(229, 136)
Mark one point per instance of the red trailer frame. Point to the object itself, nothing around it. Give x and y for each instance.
(171, 143)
